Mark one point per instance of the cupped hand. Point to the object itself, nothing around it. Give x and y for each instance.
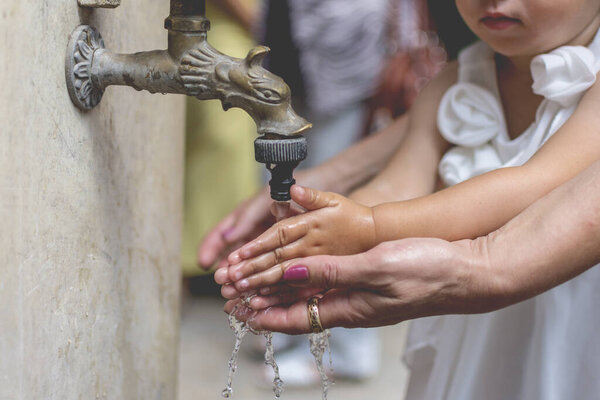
(332, 225)
(393, 282)
(247, 221)
(244, 223)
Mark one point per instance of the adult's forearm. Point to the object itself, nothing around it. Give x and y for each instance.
(411, 172)
(357, 164)
(552, 241)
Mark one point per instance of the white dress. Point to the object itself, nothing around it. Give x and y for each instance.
(545, 348)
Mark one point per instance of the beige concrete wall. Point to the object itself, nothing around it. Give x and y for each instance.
(90, 214)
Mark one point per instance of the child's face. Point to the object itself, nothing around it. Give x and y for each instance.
(530, 27)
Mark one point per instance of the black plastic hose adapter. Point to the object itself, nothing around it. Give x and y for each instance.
(280, 154)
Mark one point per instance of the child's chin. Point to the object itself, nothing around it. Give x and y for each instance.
(513, 50)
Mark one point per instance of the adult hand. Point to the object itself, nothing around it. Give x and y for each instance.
(550, 242)
(392, 282)
(333, 225)
(243, 224)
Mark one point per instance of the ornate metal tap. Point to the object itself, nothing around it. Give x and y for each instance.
(189, 66)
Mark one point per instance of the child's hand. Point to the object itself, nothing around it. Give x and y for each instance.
(332, 225)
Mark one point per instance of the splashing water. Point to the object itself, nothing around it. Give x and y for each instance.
(240, 329)
(319, 343)
(270, 360)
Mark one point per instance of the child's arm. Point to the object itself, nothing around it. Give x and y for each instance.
(484, 203)
(466, 210)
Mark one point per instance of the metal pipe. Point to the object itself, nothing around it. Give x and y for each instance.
(189, 66)
(188, 8)
(154, 71)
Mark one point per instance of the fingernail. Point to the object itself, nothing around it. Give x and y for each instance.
(300, 190)
(238, 275)
(243, 284)
(245, 253)
(296, 273)
(233, 259)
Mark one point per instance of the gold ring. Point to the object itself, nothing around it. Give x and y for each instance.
(313, 315)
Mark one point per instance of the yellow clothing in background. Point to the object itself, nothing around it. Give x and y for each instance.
(220, 170)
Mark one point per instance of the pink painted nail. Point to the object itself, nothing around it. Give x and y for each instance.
(296, 273)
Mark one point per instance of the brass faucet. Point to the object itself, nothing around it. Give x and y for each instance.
(189, 66)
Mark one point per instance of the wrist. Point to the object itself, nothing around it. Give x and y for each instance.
(491, 284)
(386, 223)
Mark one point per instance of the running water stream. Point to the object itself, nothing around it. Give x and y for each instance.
(240, 329)
(319, 342)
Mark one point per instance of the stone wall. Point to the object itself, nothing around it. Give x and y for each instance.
(90, 213)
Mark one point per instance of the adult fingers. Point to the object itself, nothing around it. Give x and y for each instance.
(214, 243)
(330, 272)
(241, 223)
(282, 297)
(335, 309)
(254, 212)
(317, 271)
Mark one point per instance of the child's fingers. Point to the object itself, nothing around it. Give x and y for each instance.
(222, 263)
(279, 235)
(221, 276)
(230, 305)
(295, 210)
(311, 199)
(267, 260)
(230, 292)
(265, 291)
(265, 278)
(252, 266)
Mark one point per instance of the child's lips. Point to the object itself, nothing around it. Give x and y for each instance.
(497, 21)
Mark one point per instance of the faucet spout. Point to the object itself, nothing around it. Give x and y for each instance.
(189, 66)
